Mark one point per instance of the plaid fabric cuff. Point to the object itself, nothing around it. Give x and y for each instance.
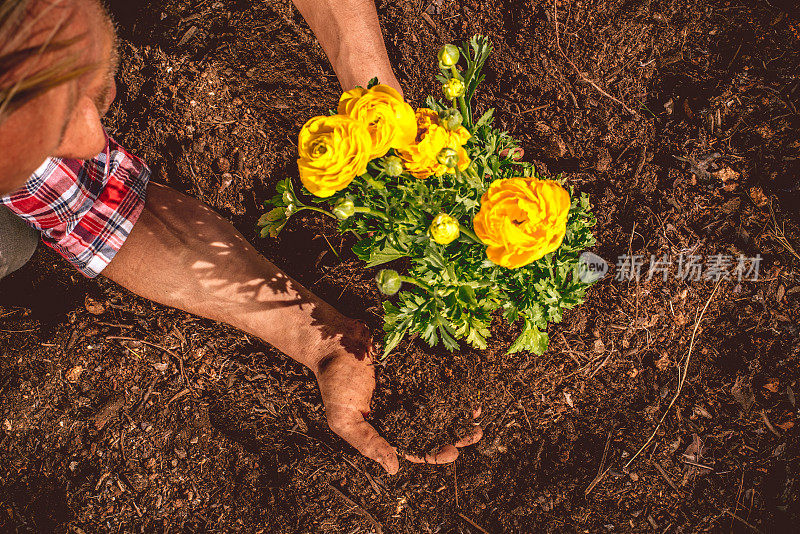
(84, 209)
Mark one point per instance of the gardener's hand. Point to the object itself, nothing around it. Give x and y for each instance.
(346, 379)
(449, 453)
(182, 254)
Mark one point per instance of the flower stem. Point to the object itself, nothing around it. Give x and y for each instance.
(465, 112)
(313, 208)
(470, 234)
(415, 282)
(462, 103)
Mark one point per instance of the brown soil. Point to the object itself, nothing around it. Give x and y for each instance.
(203, 428)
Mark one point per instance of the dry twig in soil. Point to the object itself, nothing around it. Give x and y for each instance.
(768, 424)
(472, 523)
(583, 76)
(780, 235)
(159, 347)
(358, 508)
(108, 411)
(600, 472)
(666, 477)
(682, 374)
(742, 521)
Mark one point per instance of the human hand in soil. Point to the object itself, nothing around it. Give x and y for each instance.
(182, 254)
(346, 379)
(449, 453)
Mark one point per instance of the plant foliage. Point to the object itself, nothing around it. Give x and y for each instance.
(450, 292)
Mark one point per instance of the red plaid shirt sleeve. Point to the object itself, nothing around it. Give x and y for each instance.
(84, 209)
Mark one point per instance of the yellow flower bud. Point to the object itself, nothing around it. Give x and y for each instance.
(344, 209)
(451, 119)
(449, 55)
(454, 88)
(444, 229)
(448, 157)
(393, 166)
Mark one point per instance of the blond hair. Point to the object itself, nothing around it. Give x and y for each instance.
(16, 26)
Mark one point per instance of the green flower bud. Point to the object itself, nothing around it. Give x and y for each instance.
(344, 209)
(448, 157)
(454, 88)
(393, 166)
(449, 55)
(444, 229)
(451, 119)
(389, 282)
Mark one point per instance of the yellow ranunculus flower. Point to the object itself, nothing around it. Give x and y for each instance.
(444, 229)
(421, 158)
(390, 120)
(521, 220)
(333, 150)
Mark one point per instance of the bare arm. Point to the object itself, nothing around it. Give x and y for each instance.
(182, 254)
(350, 34)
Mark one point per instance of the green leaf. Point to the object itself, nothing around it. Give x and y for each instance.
(486, 119)
(372, 83)
(362, 249)
(446, 333)
(273, 222)
(384, 254)
(531, 339)
(434, 104)
(477, 335)
(395, 336)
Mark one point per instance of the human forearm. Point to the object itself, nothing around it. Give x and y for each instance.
(350, 34)
(182, 254)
